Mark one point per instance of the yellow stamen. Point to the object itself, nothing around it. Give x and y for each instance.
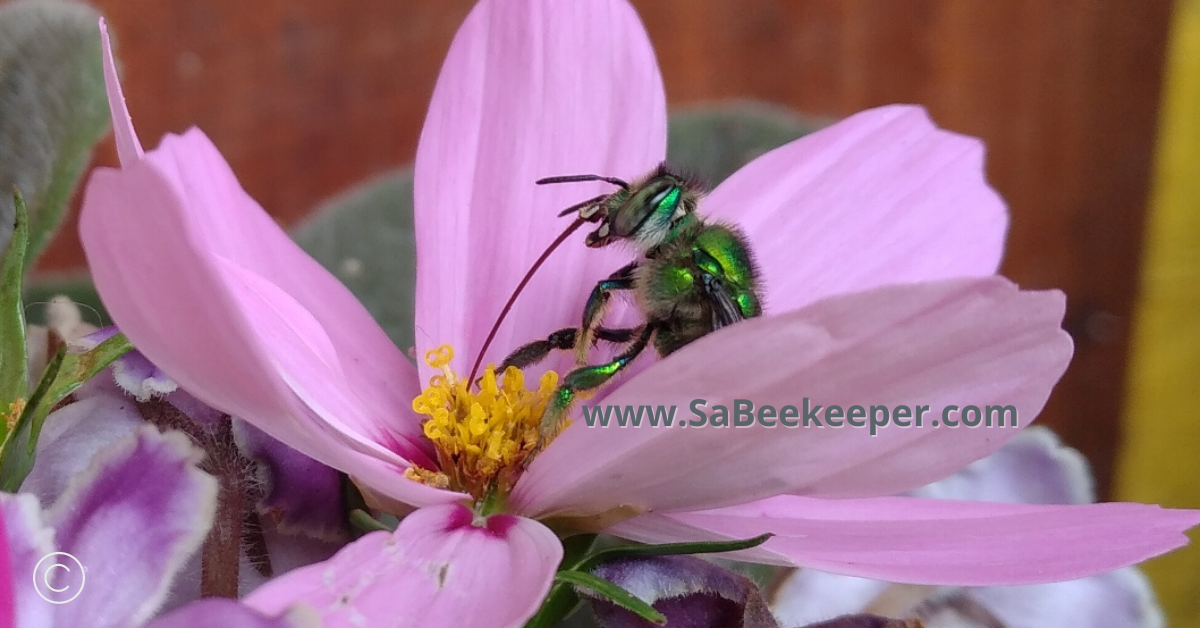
(435, 479)
(482, 434)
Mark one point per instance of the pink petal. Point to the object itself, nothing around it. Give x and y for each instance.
(215, 294)
(440, 568)
(129, 149)
(925, 541)
(881, 197)
(530, 89)
(1033, 468)
(184, 261)
(972, 341)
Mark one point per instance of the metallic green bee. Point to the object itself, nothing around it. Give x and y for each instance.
(692, 278)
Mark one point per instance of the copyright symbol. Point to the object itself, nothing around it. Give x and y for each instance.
(58, 577)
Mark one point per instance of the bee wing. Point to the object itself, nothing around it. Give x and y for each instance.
(725, 310)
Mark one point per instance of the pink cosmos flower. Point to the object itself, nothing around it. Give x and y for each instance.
(878, 239)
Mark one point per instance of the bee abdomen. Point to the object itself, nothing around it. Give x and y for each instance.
(722, 252)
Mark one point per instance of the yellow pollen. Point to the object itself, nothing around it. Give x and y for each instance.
(13, 413)
(425, 476)
(482, 433)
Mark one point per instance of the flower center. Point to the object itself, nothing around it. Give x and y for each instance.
(483, 434)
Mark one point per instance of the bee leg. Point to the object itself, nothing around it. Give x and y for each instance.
(562, 339)
(597, 304)
(589, 378)
(620, 335)
(537, 350)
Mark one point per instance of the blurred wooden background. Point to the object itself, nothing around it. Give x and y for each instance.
(305, 97)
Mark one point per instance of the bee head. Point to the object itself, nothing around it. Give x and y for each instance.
(644, 212)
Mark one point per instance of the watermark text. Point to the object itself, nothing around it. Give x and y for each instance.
(744, 413)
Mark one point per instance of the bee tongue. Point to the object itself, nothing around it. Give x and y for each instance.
(576, 224)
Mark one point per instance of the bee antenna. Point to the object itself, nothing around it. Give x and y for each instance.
(520, 287)
(575, 178)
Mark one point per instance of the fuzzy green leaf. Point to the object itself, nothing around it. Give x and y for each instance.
(64, 375)
(14, 379)
(668, 549)
(15, 462)
(714, 140)
(562, 599)
(613, 593)
(78, 368)
(363, 521)
(53, 108)
(365, 238)
(560, 603)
